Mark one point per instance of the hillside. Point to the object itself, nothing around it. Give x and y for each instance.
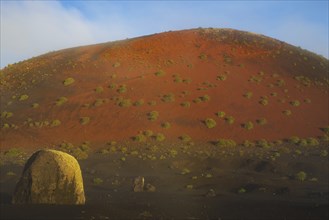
(196, 85)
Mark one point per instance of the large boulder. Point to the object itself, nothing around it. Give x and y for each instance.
(50, 177)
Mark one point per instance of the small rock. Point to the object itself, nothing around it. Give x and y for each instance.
(150, 188)
(211, 193)
(138, 184)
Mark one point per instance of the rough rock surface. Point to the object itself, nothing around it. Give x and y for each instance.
(50, 177)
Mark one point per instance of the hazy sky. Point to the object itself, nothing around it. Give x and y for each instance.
(31, 28)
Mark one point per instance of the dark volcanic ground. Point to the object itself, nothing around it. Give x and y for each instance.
(192, 182)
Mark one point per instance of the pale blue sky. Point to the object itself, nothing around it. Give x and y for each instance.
(30, 28)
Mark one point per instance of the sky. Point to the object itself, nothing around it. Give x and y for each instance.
(31, 28)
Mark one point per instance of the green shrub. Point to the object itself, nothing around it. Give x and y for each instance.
(294, 140)
(99, 89)
(35, 105)
(125, 103)
(166, 125)
(153, 115)
(23, 97)
(185, 138)
(220, 114)
(185, 104)
(6, 114)
(55, 123)
(68, 81)
(197, 100)
(248, 95)
(295, 103)
(168, 97)
(221, 77)
(148, 133)
(113, 86)
(205, 98)
(261, 121)
(98, 102)
(97, 181)
(159, 137)
(229, 119)
(225, 143)
(301, 176)
(210, 123)
(122, 89)
(60, 101)
(248, 143)
(84, 120)
(263, 102)
(140, 138)
(287, 112)
(152, 103)
(139, 102)
(263, 143)
(160, 73)
(248, 125)
(116, 64)
(312, 141)
(203, 56)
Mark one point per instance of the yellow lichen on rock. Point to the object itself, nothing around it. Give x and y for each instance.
(50, 177)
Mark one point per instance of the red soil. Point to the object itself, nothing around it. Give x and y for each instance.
(198, 57)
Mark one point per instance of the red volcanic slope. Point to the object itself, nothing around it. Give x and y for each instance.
(185, 76)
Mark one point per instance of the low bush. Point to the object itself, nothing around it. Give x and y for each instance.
(168, 97)
(153, 115)
(248, 125)
(84, 120)
(125, 103)
(301, 176)
(295, 103)
(220, 114)
(261, 121)
(287, 112)
(99, 89)
(248, 95)
(55, 123)
(185, 138)
(160, 73)
(225, 143)
(185, 104)
(23, 97)
(229, 119)
(210, 123)
(166, 125)
(68, 81)
(140, 138)
(139, 102)
(159, 137)
(60, 101)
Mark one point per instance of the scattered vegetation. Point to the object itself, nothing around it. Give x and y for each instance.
(84, 120)
(263, 101)
(295, 103)
(139, 102)
(261, 121)
(248, 125)
(159, 137)
(124, 103)
(185, 104)
(68, 81)
(225, 143)
(210, 123)
(23, 97)
(185, 138)
(55, 123)
(203, 56)
(221, 77)
(153, 115)
(301, 176)
(248, 95)
(60, 101)
(122, 89)
(166, 125)
(99, 89)
(160, 73)
(140, 138)
(168, 97)
(229, 119)
(287, 112)
(220, 114)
